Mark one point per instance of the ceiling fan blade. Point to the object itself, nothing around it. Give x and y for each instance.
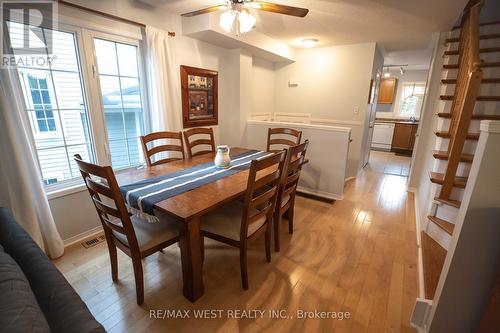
(204, 11)
(281, 9)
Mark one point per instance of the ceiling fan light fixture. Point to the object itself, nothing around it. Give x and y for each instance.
(237, 21)
(309, 42)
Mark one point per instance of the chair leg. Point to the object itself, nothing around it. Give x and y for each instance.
(276, 222)
(289, 214)
(268, 243)
(202, 249)
(243, 267)
(113, 258)
(139, 279)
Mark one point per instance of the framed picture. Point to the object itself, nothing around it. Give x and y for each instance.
(199, 97)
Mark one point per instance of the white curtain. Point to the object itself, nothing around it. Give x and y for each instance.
(163, 81)
(22, 189)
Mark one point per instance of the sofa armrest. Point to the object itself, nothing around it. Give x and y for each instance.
(62, 307)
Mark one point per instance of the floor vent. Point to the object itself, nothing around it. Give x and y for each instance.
(94, 241)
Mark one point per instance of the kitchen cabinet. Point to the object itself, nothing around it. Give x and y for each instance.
(403, 138)
(387, 91)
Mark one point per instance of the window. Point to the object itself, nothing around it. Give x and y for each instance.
(70, 112)
(56, 106)
(121, 98)
(411, 99)
(41, 101)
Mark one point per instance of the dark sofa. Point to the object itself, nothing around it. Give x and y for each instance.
(34, 295)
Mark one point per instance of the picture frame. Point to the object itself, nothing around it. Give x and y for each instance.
(199, 97)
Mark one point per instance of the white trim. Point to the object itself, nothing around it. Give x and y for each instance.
(65, 190)
(300, 125)
(349, 178)
(321, 194)
(304, 118)
(490, 126)
(420, 261)
(335, 121)
(81, 236)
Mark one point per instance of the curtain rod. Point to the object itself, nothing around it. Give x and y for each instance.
(110, 16)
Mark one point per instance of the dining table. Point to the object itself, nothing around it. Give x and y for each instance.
(189, 207)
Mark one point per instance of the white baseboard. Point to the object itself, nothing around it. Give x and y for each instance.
(420, 261)
(81, 236)
(321, 194)
(349, 178)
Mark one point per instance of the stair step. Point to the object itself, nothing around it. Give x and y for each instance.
(457, 27)
(482, 65)
(474, 116)
(438, 178)
(481, 37)
(443, 155)
(483, 81)
(449, 202)
(482, 50)
(445, 225)
(470, 136)
(433, 256)
(479, 98)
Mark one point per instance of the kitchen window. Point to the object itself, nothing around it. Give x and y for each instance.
(88, 101)
(412, 97)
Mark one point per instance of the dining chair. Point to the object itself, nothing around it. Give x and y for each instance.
(285, 202)
(287, 137)
(172, 143)
(239, 223)
(135, 237)
(192, 143)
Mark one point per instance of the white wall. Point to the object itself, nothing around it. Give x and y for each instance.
(332, 82)
(263, 95)
(411, 76)
(378, 63)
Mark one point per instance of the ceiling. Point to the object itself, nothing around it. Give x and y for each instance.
(398, 25)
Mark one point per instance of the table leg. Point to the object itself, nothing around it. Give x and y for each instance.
(191, 257)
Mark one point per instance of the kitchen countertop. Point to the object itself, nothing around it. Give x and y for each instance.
(396, 120)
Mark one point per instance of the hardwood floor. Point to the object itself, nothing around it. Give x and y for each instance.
(389, 163)
(357, 255)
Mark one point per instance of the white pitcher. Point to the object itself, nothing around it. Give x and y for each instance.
(222, 159)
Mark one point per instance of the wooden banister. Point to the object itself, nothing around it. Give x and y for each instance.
(466, 91)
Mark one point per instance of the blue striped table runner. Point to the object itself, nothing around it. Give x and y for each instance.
(143, 195)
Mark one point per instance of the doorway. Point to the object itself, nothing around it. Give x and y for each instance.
(398, 108)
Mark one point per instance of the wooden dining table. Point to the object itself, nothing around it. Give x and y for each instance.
(189, 207)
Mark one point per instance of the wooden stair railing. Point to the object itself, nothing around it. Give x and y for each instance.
(466, 92)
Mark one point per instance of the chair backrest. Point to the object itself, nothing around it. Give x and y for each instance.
(172, 143)
(262, 188)
(291, 173)
(190, 144)
(103, 189)
(282, 140)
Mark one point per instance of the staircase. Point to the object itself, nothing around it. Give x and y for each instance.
(470, 93)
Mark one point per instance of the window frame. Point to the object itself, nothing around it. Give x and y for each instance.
(89, 42)
(85, 53)
(401, 99)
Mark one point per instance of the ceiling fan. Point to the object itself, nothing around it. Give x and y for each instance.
(238, 17)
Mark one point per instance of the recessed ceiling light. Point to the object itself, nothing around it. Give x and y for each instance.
(309, 42)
